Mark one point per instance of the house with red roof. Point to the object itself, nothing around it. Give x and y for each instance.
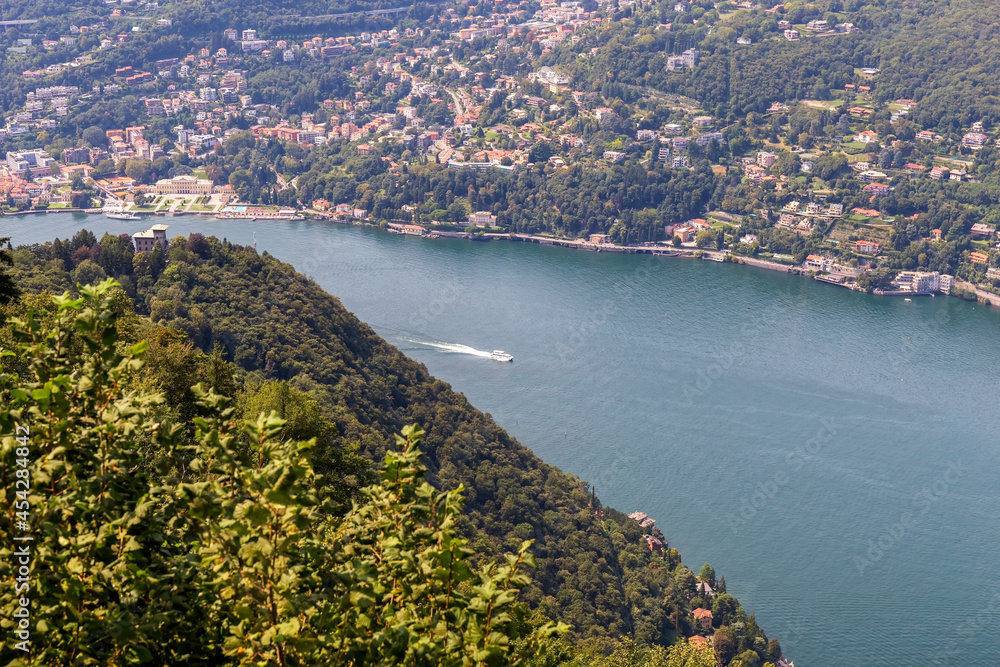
(876, 189)
(703, 617)
(866, 247)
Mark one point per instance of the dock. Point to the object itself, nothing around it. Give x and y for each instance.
(830, 280)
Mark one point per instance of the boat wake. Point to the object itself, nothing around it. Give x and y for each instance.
(450, 348)
(455, 348)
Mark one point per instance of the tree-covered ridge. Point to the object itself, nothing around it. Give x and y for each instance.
(630, 201)
(230, 554)
(595, 569)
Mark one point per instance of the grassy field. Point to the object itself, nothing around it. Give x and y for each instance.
(198, 208)
(860, 157)
(150, 205)
(831, 105)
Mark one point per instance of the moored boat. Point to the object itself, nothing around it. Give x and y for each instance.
(118, 213)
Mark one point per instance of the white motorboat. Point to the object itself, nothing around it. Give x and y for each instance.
(500, 355)
(118, 213)
(121, 215)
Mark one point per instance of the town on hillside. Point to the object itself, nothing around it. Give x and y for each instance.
(580, 123)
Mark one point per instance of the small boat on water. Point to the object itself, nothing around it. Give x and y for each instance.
(122, 215)
(118, 213)
(500, 355)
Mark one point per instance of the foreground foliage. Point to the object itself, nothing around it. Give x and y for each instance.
(220, 561)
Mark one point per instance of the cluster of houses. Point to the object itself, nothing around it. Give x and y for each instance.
(687, 231)
(654, 538)
(817, 27)
(30, 177)
(213, 85)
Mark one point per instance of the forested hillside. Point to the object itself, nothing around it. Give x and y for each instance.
(294, 346)
(942, 54)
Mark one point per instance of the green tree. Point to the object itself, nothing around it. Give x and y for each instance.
(746, 659)
(540, 152)
(341, 464)
(95, 136)
(231, 556)
(9, 291)
(724, 644)
(105, 167)
(138, 170)
(81, 199)
(629, 653)
(724, 609)
(774, 650)
(707, 574)
(90, 518)
(705, 238)
(87, 273)
(684, 654)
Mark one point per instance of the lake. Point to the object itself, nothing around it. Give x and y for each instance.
(833, 454)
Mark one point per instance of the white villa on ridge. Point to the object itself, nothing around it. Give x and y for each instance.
(147, 240)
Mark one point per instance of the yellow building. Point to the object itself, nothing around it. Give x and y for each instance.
(184, 185)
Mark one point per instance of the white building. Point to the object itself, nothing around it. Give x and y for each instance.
(766, 159)
(37, 161)
(147, 240)
(688, 59)
(482, 219)
(919, 282)
(819, 263)
(184, 185)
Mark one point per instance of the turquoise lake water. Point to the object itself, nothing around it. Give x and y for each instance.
(834, 455)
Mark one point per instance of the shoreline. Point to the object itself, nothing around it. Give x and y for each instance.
(982, 296)
(98, 211)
